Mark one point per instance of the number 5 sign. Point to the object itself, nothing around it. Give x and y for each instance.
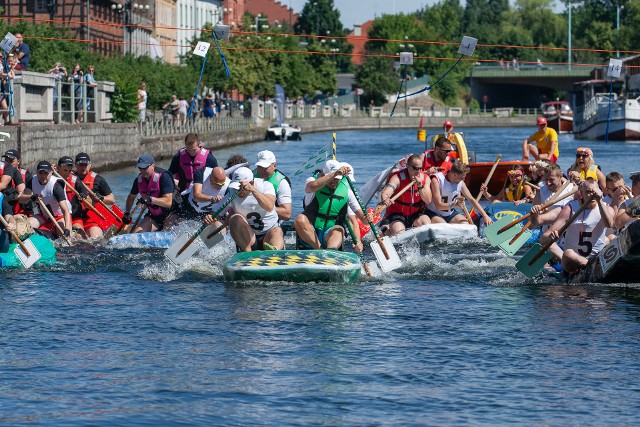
(201, 49)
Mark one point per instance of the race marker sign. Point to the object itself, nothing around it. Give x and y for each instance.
(8, 42)
(615, 67)
(467, 46)
(406, 58)
(201, 49)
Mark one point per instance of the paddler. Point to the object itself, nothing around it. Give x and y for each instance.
(11, 181)
(408, 210)
(267, 169)
(251, 217)
(543, 144)
(12, 157)
(438, 159)
(7, 212)
(585, 167)
(448, 191)
(64, 168)
(322, 223)
(516, 189)
(617, 193)
(156, 192)
(51, 191)
(190, 158)
(586, 236)
(99, 186)
(626, 213)
(553, 180)
(208, 189)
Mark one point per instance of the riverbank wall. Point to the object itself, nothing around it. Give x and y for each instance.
(116, 145)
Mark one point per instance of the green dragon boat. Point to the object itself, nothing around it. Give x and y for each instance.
(42, 244)
(293, 266)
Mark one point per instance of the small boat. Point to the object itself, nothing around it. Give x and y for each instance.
(293, 266)
(559, 116)
(480, 170)
(597, 109)
(437, 232)
(42, 244)
(155, 239)
(283, 132)
(615, 263)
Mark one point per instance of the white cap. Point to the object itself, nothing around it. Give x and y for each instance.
(352, 177)
(240, 174)
(330, 166)
(265, 159)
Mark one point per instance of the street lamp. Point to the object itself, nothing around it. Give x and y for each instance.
(127, 10)
(258, 19)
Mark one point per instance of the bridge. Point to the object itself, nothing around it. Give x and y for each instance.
(526, 86)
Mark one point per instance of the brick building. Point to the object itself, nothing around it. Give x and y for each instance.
(274, 11)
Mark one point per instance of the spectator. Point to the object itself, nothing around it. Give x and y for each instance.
(173, 107)
(23, 53)
(4, 75)
(142, 102)
(182, 110)
(77, 77)
(195, 111)
(90, 81)
(58, 72)
(208, 107)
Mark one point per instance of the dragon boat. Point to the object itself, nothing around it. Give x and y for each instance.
(43, 245)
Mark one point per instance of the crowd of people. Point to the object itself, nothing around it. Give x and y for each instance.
(252, 199)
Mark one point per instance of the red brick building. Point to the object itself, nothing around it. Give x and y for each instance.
(273, 11)
(358, 37)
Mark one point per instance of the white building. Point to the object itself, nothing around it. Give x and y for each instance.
(191, 17)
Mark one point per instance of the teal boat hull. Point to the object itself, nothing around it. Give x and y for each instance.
(293, 266)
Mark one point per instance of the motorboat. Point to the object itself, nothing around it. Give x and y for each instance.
(559, 116)
(283, 132)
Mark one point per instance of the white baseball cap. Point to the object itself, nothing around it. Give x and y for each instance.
(240, 174)
(351, 175)
(330, 166)
(265, 159)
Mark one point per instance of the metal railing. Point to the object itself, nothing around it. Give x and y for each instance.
(158, 123)
(73, 103)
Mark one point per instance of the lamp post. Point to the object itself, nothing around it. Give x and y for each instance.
(569, 37)
(258, 19)
(127, 10)
(618, 8)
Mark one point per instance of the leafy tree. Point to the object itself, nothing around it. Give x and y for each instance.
(377, 78)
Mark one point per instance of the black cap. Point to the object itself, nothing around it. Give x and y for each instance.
(12, 154)
(145, 160)
(83, 158)
(65, 161)
(635, 176)
(44, 166)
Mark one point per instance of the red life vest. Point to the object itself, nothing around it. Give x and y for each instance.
(151, 188)
(190, 165)
(71, 179)
(18, 208)
(430, 161)
(1, 168)
(409, 202)
(89, 179)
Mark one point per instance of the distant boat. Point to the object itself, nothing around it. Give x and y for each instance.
(591, 111)
(282, 131)
(559, 116)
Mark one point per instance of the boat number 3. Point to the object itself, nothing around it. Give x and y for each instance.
(255, 221)
(582, 242)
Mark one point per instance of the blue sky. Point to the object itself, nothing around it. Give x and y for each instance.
(359, 11)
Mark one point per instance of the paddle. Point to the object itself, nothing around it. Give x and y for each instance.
(388, 259)
(138, 218)
(488, 180)
(466, 212)
(53, 220)
(26, 252)
(537, 256)
(364, 229)
(498, 232)
(360, 255)
(211, 236)
(79, 196)
(182, 249)
(122, 225)
(510, 247)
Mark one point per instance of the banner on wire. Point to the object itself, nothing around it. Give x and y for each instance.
(315, 161)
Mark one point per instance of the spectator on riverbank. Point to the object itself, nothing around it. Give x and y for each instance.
(4, 76)
(23, 53)
(173, 107)
(182, 110)
(58, 72)
(91, 83)
(142, 102)
(209, 113)
(77, 77)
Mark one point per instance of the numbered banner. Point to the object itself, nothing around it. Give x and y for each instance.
(221, 32)
(406, 58)
(610, 255)
(467, 46)
(9, 42)
(201, 49)
(615, 68)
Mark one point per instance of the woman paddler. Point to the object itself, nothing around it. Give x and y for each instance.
(516, 189)
(585, 167)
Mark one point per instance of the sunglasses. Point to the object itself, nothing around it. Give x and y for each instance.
(414, 167)
(581, 155)
(445, 151)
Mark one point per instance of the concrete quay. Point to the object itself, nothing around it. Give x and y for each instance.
(116, 145)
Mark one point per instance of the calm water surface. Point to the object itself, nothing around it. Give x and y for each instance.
(119, 337)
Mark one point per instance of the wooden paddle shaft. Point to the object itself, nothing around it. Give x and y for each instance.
(74, 191)
(14, 235)
(488, 180)
(466, 213)
(546, 205)
(123, 225)
(216, 231)
(394, 198)
(138, 218)
(561, 231)
(53, 219)
(521, 232)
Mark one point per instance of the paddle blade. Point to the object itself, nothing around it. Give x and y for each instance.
(210, 242)
(110, 232)
(27, 261)
(511, 249)
(495, 238)
(172, 252)
(373, 268)
(390, 264)
(531, 270)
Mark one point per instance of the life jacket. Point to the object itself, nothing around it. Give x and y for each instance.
(46, 194)
(409, 202)
(275, 180)
(459, 146)
(430, 160)
(19, 208)
(512, 194)
(2, 166)
(589, 173)
(331, 206)
(151, 188)
(189, 165)
(89, 179)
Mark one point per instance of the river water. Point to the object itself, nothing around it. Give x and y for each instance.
(457, 336)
